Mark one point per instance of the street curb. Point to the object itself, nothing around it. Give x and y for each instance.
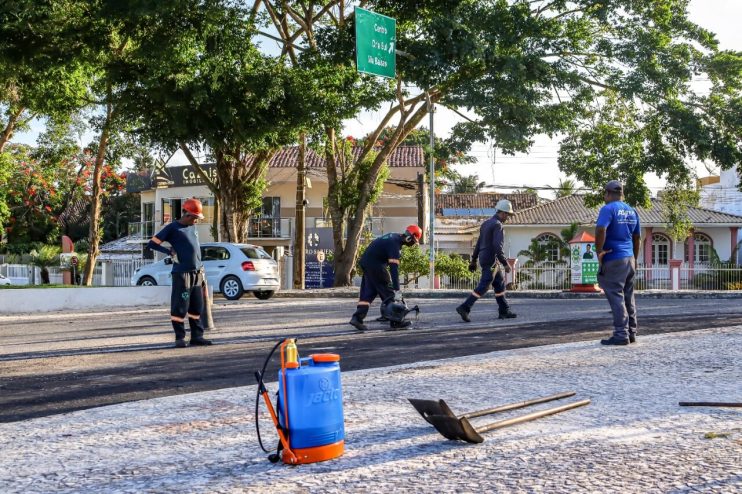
(352, 292)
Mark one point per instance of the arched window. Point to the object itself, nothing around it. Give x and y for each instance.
(660, 249)
(551, 244)
(701, 248)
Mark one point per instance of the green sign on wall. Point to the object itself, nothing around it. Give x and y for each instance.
(376, 38)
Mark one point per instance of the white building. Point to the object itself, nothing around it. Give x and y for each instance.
(163, 193)
(723, 194)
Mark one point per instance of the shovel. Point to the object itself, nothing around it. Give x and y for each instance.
(440, 415)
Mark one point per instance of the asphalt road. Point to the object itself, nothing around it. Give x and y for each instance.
(57, 363)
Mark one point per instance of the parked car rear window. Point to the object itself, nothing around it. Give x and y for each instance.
(253, 253)
(214, 253)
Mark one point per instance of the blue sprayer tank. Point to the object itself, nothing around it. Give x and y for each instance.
(313, 401)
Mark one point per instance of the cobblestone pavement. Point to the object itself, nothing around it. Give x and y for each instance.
(633, 437)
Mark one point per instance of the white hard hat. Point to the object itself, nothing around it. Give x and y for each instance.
(504, 206)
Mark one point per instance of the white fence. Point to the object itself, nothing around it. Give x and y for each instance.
(121, 271)
(558, 277)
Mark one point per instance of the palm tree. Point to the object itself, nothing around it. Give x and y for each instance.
(565, 188)
(48, 255)
(467, 185)
(537, 253)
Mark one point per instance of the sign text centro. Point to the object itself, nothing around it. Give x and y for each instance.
(376, 38)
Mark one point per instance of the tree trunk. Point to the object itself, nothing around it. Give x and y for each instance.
(346, 250)
(7, 133)
(95, 200)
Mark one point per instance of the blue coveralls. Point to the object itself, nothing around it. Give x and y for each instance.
(489, 251)
(186, 299)
(377, 280)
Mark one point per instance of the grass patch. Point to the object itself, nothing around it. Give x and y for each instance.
(715, 435)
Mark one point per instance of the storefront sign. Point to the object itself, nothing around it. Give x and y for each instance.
(183, 176)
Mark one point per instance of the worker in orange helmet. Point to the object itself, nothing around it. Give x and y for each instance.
(186, 298)
(382, 253)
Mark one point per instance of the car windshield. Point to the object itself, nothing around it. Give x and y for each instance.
(255, 253)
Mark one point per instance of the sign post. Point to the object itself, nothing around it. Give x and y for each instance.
(321, 260)
(376, 39)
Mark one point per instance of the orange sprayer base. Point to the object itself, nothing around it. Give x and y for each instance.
(316, 454)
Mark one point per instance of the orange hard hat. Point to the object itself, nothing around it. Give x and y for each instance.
(194, 207)
(415, 231)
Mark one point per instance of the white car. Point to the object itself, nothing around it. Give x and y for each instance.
(4, 281)
(231, 269)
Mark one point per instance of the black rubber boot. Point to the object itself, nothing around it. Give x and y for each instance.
(504, 308)
(614, 341)
(357, 323)
(508, 314)
(358, 316)
(463, 312)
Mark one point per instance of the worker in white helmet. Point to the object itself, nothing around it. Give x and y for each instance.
(489, 253)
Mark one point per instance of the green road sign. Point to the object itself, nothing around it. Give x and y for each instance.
(375, 43)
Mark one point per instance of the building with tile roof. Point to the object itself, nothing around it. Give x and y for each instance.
(400, 204)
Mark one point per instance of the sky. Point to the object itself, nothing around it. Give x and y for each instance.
(537, 168)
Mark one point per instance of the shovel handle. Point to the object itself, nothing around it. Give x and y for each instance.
(520, 404)
(709, 404)
(531, 416)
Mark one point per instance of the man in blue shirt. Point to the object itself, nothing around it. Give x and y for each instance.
(381, 253)
(489, 252)
(188, 273)
(617, 240)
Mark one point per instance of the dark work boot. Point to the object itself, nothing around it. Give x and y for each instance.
(463, 312)
(357, 323)
(632, 337)
(200, 342)
(179, 328)
(197, 330)
(358, 316)
(503, 308)
(508, 314)
(614, 341)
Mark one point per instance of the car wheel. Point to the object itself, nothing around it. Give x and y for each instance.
(146, 281)
(231, 288)
(264, 295)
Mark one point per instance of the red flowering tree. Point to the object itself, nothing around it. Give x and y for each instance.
(47, 198)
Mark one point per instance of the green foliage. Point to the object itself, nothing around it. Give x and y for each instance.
(454, 266)
(565, 188)
(466, 185)
(353, 175)
(538, 253)
(414, 262)
(676, 199)
(46, 256)
(47, 193)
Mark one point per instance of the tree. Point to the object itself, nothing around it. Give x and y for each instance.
(527, 68)
(565, 188)
(467, 185)
(47, 255)
(193, 80)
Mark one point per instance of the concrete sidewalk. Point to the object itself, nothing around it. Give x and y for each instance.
(632, 438)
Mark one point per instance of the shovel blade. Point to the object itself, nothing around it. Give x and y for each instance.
(455, 429)
(426, 408)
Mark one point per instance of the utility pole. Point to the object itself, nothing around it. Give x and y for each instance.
(431, 173)
(300, 216)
